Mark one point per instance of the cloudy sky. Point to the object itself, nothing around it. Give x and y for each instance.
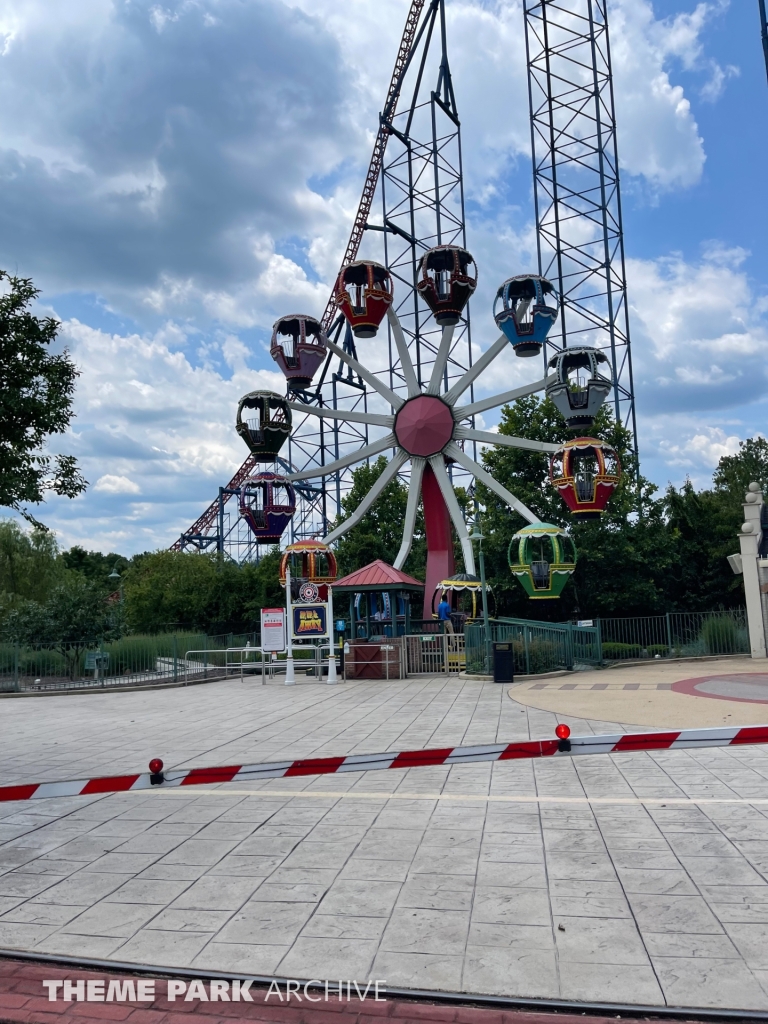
(176, 175)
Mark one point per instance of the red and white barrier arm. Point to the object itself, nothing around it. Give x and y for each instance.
(563, 745)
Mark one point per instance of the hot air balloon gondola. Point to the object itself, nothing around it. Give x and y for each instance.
(310, 561)
(298, 347)
(524, 317)
(578, 396)
(446, 282)
(542, 557)
(586, 472)
(266, 425)
(267, 502)
(363, 293)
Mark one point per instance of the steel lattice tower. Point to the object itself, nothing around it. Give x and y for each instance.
(576, 183)
(416, 175)
(415, 172)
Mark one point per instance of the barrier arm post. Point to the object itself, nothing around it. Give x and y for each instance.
(290, 674)
(332, 677)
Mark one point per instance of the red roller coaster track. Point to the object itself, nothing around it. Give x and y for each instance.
(202, 525)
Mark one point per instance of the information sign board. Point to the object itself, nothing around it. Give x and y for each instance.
(273, 629)
(96, 659)
(310, 620)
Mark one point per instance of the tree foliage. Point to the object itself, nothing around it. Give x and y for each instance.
(648, 554)
(36, 391)
(380, 531)
(73, 615)
(170, 590)
(29, 564)
(95, 565)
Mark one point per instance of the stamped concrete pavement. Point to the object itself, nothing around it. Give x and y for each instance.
(629, 878)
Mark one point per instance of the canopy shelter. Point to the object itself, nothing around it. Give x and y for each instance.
(379, 599)
(458, 584)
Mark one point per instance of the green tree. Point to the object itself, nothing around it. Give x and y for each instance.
(701, 528)
(36, 390)
(380, 531)
(618, 556)
(169, 590)
(735, 473)
(28, 564)
(75, 614)
(95, 565)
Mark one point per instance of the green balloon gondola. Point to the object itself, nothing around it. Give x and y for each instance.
(542, 556)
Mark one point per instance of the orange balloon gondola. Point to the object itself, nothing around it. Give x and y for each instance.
(310, 561)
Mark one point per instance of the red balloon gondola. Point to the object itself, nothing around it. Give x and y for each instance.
(298, 347)
(363, 293)
(446, 282)
(267, 502)
(586, 472)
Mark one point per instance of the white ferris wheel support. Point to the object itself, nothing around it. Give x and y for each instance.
(411, 508)
(436, 462)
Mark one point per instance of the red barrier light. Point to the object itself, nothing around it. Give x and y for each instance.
(563, 732)
(155, 765)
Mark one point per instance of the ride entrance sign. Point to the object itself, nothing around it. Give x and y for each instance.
(273, 629)
(310, 620)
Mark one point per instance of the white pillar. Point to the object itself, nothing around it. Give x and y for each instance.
(290, 674)
(750, 537)
(332, 678)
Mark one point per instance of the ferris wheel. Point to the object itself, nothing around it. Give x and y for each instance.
(429, 426)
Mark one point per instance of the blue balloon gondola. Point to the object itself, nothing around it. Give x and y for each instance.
(524, 317)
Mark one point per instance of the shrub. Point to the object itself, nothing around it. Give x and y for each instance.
(621, 652)
(720, 635)
(661, 649)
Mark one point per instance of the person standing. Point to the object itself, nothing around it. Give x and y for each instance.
(444, 614)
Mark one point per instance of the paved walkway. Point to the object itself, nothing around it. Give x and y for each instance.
(660, 694)
(628, 878)
(24, 1000)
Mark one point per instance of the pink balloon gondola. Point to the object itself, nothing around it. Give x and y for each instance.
(299, 346)
(267, 503)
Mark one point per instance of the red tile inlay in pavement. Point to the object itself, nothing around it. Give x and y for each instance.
(747, 687)
(24, 998)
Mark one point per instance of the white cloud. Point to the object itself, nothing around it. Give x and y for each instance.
(705, 448)
(197, 166)
(699, 338)
(111, 484)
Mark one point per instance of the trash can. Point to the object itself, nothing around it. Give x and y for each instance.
(503, 662)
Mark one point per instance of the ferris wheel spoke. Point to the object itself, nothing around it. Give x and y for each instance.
(391, 471)
(449, 496)
(370, 378)
(511, 441)
(482, 363)
(465, 411)
(440, 362)
(405, 356)
(388, 441)
(412, 507)
(372, 418)
(480, 474)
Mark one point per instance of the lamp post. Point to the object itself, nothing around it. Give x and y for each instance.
(477, 536)
(118, 582)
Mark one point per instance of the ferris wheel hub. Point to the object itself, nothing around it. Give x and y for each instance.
(424, 425)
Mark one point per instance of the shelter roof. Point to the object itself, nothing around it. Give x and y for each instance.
(377, 576)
